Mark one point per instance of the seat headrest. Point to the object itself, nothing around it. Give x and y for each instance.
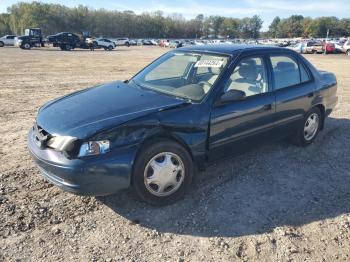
(248, 71)
(285, 66)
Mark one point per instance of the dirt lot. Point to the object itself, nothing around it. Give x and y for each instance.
(276, 203)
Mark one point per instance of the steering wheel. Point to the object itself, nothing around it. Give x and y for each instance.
(205, 85)
(202, 83)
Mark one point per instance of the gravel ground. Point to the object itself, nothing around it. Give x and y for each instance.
(275, 203)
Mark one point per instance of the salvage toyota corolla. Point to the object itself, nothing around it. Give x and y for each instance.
(188, 108)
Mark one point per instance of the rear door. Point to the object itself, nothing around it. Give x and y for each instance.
(294, 90)
(236, 126)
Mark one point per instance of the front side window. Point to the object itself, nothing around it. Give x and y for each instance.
(249, 76)
(287, 73)
(183, 74)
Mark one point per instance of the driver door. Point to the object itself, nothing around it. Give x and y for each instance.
(237, 125)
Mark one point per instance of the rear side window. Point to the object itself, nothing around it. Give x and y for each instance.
(304, 76)
(287, 73)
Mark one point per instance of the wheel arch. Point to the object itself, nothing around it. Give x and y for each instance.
(322, 109)
(156, 138)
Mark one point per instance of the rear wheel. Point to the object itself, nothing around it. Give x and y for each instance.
(348, 52)
(2, 44)
(162, 173)
(110, 48)
(310, 127)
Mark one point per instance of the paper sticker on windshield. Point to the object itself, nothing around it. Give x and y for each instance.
(209, 63)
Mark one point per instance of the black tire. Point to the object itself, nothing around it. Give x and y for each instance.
(26, 46)
(63, 47)
(300, 136)
(68, 47)
(110, 48)
(348, 52)
(2, 44)
(127, 44)
(145, 155)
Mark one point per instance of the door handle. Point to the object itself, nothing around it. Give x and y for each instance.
(310, 94)
(267, 107)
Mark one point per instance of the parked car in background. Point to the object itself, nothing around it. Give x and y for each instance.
(346, 48)
(175, 44)
(191, 107)
(122, 41)
(299, 47)
(329, 48)
(147, 42)
(133, 42)
(65, 40)
(105, 43)
(314, 47)
(164, 43)
(7, 40)
(337, 48)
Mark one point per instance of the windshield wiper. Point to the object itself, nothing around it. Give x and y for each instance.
(187, 99)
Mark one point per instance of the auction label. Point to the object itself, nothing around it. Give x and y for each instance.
(209, 63)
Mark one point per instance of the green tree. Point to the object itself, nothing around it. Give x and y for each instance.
(273, 28)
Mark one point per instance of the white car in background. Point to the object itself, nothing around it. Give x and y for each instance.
(299, 47)
(346, 47)
(7, 40)
(106, 44)
(122, 41)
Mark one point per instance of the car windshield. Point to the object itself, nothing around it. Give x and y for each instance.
(183, 74)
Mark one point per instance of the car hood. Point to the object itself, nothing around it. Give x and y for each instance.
(86, 112)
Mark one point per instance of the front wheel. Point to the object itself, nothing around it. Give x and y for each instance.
(26, 46)
(162, 173)
(310, 127)
(68, 47)
(2, 44)
(110, 48)
(348, 52)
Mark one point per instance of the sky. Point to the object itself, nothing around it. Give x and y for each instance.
(266, 9)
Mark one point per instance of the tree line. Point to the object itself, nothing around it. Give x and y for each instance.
(53, 18)
(299, 26)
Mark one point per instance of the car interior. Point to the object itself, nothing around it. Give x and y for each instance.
(286, 71)
(249, 76)
(190, 81)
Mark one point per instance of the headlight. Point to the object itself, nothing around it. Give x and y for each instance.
(92, 148)
(61, 143)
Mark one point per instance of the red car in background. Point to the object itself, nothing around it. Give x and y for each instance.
(329, 48)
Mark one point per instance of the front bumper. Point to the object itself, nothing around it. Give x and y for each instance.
(95, 175)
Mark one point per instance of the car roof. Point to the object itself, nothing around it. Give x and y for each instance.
(229, 48)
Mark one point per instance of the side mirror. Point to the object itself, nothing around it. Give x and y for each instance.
(230, 96)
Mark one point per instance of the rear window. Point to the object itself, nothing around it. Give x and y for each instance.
(288, 72)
